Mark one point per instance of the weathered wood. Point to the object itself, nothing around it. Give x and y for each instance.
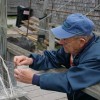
(31, 22)
(51, 37)
(19, 31)
(16, 50)
(51, 42)
(93, 91)
(31, 27)
(35, 19)
(30, 36)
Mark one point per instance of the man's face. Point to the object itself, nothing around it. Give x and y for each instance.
(72, 45)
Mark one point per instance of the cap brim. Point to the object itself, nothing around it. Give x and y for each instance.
(61, 33)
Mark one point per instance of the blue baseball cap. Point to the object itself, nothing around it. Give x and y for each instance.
(74, 25)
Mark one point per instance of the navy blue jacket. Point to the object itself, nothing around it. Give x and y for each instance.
(84, 73)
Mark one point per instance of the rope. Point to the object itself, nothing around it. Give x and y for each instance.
(50, 15)
(92, 10)
(9, 79)
(60, 8)
(55, 11)
(29, 16)
(5, 90)
(43, 29)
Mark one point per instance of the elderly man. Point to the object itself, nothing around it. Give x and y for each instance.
(78, 42)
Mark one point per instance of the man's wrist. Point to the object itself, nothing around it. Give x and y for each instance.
(30, 61)
(36, 80)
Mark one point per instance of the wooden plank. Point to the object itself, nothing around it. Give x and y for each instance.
(51, 42)
(35, 19)
(23, 29)
(16, 50)
(31, 22)
(35, 93)
(93, 91)
(31, 27)
(45, 6)
(19, 31)
(49, 96)
(30, 36)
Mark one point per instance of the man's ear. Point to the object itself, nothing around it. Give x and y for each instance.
(82, 41)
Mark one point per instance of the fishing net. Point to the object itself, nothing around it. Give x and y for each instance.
(8, 88)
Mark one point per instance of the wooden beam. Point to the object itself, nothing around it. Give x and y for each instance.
(16, 50)
(31, 37)
(94, 91)
(30, 22)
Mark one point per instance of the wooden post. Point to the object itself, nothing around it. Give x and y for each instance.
(3, 33)
(51, 41)
(3, 28)
(51, 38)
(43, 22)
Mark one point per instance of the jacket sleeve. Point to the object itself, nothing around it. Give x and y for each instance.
(50, 59)
(76, 78)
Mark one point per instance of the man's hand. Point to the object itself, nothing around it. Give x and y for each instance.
(22, 60)
(24, 75)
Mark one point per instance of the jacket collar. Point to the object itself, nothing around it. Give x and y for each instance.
(88, 44)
